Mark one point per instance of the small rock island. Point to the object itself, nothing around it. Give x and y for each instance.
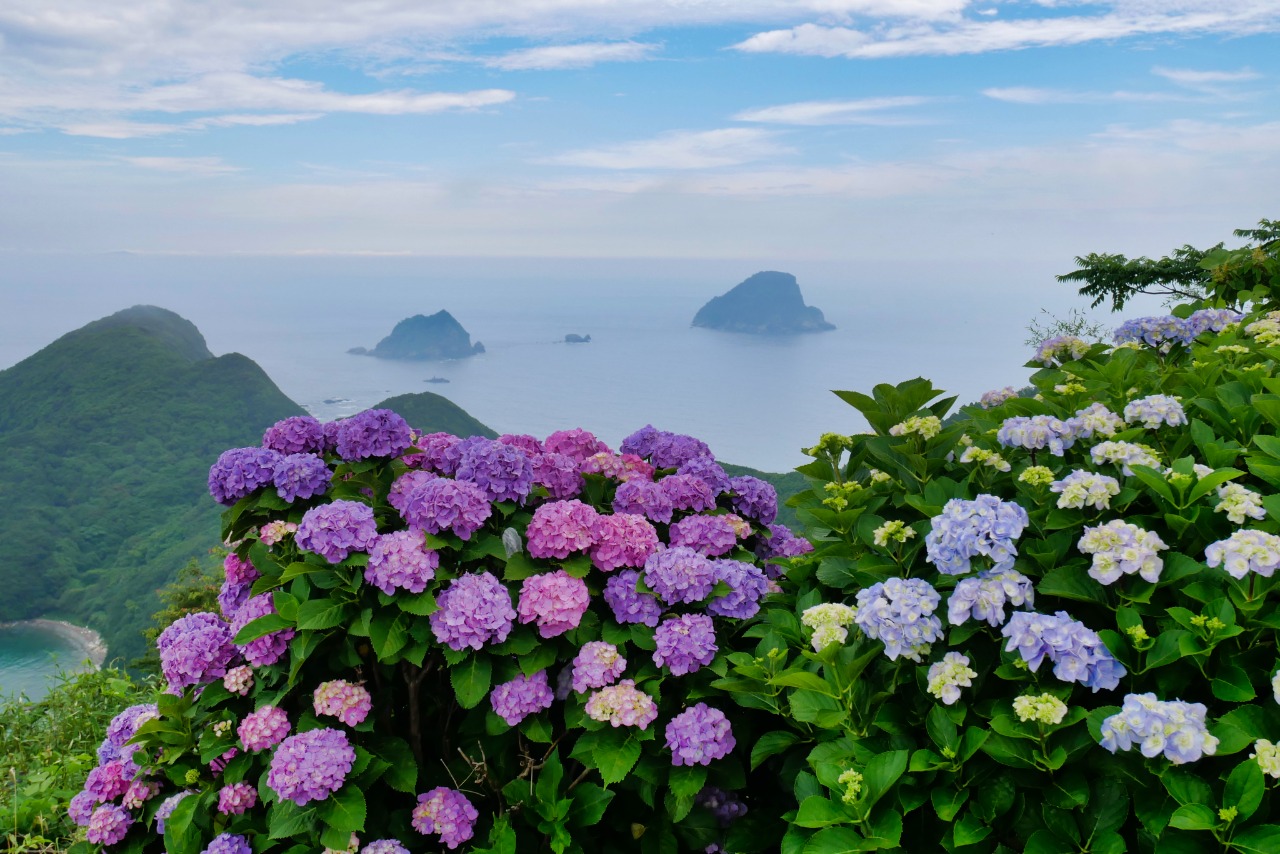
(423, 338)
(768, 303)
(574, 338)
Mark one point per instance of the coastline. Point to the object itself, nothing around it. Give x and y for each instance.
(89, 642)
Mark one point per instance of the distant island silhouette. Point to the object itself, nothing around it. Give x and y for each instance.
(425, 338)
(768, 303)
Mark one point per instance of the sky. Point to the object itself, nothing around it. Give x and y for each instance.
(833, 131)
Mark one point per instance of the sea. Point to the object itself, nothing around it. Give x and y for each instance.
(755, 400)
(31, 657)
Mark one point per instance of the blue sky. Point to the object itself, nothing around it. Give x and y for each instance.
(817, 130)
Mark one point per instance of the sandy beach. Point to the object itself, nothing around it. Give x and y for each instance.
(89, 641)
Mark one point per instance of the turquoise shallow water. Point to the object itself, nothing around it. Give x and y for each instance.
(30, 657)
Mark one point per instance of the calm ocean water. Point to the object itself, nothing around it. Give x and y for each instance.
(30, 657)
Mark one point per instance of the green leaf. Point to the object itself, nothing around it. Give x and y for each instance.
(420, 605)
(322, 613)
(1231, 683)
(403, 773)
(970, 829)
(881, 772)
(1047, 842)
(1186, 788)
(1261, 839)
(180, 833)
(285, 819)
(770, 744)
(947, 802)
(261, 627)
(344, 810)
(589, 804)
(1194, 817)
(471, 680)
(802, 679)
(615, 760)
(547, 789)
(1071, 582)
(819, 811)
(389, 632)
(834, 840)
(1245, 788)
(687, 780)
(1237, 729)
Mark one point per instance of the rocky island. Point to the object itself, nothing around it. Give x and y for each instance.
(768, 303)
(423, 338)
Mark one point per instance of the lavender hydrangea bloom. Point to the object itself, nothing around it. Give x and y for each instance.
(475, 609)
(899, 613)
(401, 561)
(1155, 410)
(995, 397)
(699, 735)
(232, 596)
(442, 504)
(337, 529)
(435, 452)
(709, 535)
(984, 596)
(1161, 332)
(707, 470)
(384, 846)
(1036, 432)
(310, 766)
(228, 843)
(398, 495)
(237, 798)
(240, 472)
(1060, 349)
(524, 442)
(679, 574)
(330, 430)
(555, 601)
(1244, 552)
(503, 472)
(80, 808)
(560, 528)
(754, 498)
(781, 543)
(747, 586)
(122, 728)
(628, 604)
(985, 526)
(1171, 727)
(1077, 653)
(267, 649)
(644, 498)
(558, 474)
(263, 729)
(597, 664)
(640, 442)
(195, 650)
(685, 643)
(687, 492)
(622, 539)
(447, 813)
(577, 444)
(110, 780)
(672, 450)
(724, 805)
(297, 434)
(1212, 320)
(523, 696)
(1119, 548)
(301, 476)
(373, 433)
(108, 825)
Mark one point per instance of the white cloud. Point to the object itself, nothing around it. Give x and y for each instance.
(183, 165)
(579, 55)
(1032, 95)
(870, 111)
(678, 150)
(1211, 82)
(118, 129)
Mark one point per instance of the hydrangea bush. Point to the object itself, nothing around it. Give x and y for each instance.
(1075, 650)
(427, 642)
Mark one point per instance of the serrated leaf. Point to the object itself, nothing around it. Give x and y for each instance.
(770, 744)
(615, 760)
(344, 810)
(471, 679)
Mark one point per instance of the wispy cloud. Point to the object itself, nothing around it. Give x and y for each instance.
(1218, 83)
(580, 55)
(1032, 95)
(679, 150)
(183, 165)
(867, 111)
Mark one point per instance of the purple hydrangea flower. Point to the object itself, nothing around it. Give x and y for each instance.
(301, 476)
(346, 701)
(672, 450)
(984, 596)
(754, 498)
(747, 586)
(267, 649)
(1171, 727)
(330, 429)
(503, 472)
(80, 808)
(110, 780)
(239, 569)
(1077, 653)
(297, 434)
(1212, 320)
(524, 442)
(108, 825)
(125, 725)
(629, 605)
(195, 650)
(725, 806)
(475, 609)
(707, 470)
(698, 735)
(709, 535)
(687, 492)
(1035, 432)
(577, 444)
(237, 798)
(337, 529)
(560, 528)
(643, 498)
(435, 453)
(401, 561)
(559, 474)
(622, 539)
(622, 705)
(597, 664)
(780, 544)
(523, 696)
(965, 529)
(679, 574)
(232, 596)
(556, 601)
(640, 442)
(1161, 332)
(373, 433)
(899, 612)
(263, 729)
(384, 846)
(446, 813)
(442, 504)
(240, 472)
(398, 496)
(685, 643)
(228, 843)
(311, 766)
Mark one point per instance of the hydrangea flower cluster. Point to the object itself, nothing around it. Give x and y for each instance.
(400, 560)
(747, 586)
(311, 766)
(298, 434)
(263, 729)
(709, 535)
(1060, 349)
(985, 526)
(195, 650)
(1120, 548)
(984, 596)
(1212, 319)
(1154, 410)
(373, 433)
(555, 601)
(698, 735)
(685, 643)
(990, 459)
(1096, 418)
(628, 604)
(576, 444)
(829, 622)
(228, 843)
(947, 677)
(753, 497)
(502, 471)
(560, 528)
(1036, 475)
(1077, 653)
(275, 532)
(441, 504)
(445, 813)
(1035, 432)
(597, 664)
(687, 492)
(1239, 503)
(1161, 332)
(995, 397)
(622, 705)
(558, 474)
(240, 472)
(679, 574)
(1171, 727)
(622, 539)
(1244, 552)
(384, 846)
(725, 806)
(707, 470)
(1268, 757)
(108, 824)
(1125, 455)
(1040, 708)
(644, 498)
(301, 476)
(237, 798)
(899, 613)
(1086, 489)
(927, 426)
(474, 609)
(267, 649)
(338, 698)
(1265, 331)
(523, 696)
(337, 529)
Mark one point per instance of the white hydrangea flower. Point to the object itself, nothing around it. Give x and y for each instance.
(948, 676)
(1238, 502)
(1043, 708)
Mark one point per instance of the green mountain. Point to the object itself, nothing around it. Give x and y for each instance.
(432, 413)
(768, 303)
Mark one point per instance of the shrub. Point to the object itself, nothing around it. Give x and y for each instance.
(482, 644)
(1065, 626)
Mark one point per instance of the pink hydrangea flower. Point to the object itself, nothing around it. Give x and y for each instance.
(560, 528)
(554, 600)
(343, 700)
(622, 539)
